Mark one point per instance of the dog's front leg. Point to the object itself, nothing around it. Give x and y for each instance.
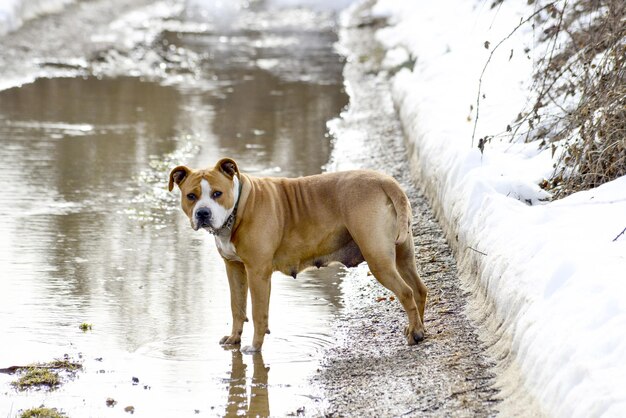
(259, 280)
(238, 283)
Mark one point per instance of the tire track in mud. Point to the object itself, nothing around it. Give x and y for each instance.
(371, 371)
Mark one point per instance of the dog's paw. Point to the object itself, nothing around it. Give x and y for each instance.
(249, 349)
(230, 340)
(413, 336)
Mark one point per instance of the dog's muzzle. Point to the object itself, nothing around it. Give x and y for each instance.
(203, 218)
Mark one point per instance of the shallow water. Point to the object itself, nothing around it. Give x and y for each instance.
(88, 232)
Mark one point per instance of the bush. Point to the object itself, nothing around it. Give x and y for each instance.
(580, 106)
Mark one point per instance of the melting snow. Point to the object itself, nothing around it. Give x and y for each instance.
(13, 13)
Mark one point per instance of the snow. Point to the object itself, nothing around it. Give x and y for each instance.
(314, 4)
(554, 272)
(229, 8)
(224, 13)
(13, 13)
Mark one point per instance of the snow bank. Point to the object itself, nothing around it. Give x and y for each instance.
(555, 273)
(13, 13)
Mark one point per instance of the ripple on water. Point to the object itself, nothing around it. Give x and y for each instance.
(300, 348)
(190, 347)
(296, 348)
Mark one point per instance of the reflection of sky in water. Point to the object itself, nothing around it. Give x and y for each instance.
(87, 233)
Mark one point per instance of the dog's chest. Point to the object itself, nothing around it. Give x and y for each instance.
(226, 248)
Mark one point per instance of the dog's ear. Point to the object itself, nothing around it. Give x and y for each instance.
(228, 167)
(177, 175)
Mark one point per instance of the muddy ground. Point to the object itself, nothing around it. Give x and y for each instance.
(372, 372)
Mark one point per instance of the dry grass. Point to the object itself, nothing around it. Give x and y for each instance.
(580, 107)
(35, 377)
(44, 375)
(42, 412)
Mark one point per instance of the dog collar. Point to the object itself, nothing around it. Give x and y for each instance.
(230, 221)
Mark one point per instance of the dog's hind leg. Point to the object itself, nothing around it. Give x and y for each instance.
(373, 227)
(386, 273)
(378, 249)
(405, 262)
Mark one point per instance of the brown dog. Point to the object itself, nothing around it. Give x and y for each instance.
(262, 225)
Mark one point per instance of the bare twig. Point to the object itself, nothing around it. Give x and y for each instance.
(480, 79)
(479, 252)
(12, 369)
(409, 412)
(52, 366)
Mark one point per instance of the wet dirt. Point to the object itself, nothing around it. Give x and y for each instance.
(372, 372)
(89, 233)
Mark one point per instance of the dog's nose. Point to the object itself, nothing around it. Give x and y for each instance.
(203, 214)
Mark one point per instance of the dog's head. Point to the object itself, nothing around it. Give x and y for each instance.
(208, 196)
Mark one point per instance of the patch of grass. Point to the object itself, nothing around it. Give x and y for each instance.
(46, 375)
(37, 377)
(65, 365)
(85, 327)
(42, 412)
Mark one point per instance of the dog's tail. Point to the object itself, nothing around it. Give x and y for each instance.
(402, 207)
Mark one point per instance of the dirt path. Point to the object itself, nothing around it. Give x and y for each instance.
(372, 372)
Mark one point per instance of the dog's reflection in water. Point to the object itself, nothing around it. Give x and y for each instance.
(239, 403)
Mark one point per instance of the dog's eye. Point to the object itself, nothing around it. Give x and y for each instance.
(191, 197)
(216, 194)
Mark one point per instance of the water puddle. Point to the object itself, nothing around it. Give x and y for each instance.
(88, 232)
